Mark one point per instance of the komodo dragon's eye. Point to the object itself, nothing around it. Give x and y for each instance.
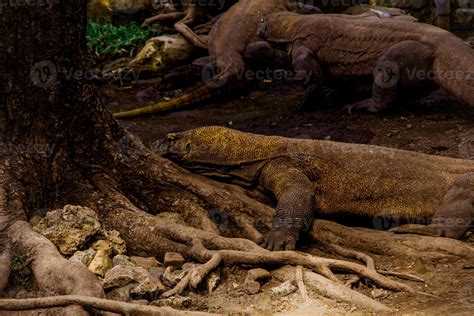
(188, 147)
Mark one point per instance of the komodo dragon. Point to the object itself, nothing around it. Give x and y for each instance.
(397, 57)
(332, 178)
(228, 40)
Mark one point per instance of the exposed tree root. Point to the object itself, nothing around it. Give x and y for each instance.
(52, 272)
(381, 242)
(92, 302)
(5, 259)
(331, 289)
(300, 283)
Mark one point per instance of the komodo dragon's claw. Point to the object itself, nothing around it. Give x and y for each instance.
(280, 239)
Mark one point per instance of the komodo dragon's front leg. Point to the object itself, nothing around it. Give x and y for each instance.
(294, 192)
(455, 215)
(405, 67)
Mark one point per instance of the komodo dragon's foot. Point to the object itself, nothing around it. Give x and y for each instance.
(280, 239)
(425, 230)
(367, 105)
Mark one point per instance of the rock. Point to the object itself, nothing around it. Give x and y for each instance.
(162, 52)
(172, 277)
(145, 262)
(99, 10)
(35, 220)
(379, 294)
(212, 280)
(113, 237)
(149, 289)
(259, 274)
(122, 275)
(69, 228)
(122, 260)
(284, 289)
(101, 262)
(121, 293)
(177, 301)
(156, 272)
(250, 287)
(103, 245)
(84, 257)
(173, 259)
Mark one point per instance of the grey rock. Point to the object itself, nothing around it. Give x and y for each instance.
(259, 275)
(122, 275)
(172, 277)
(177, 301)
(284, 289)
(250, 287)
(85, 257)
(122, 260)
(173, 259)
(69, 228)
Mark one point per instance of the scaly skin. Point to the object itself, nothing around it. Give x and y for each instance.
(332, 178)
(403, 56)
(228, 39)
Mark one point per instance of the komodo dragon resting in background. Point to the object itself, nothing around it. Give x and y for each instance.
(229, 38)
(332, 178)
(398, 57)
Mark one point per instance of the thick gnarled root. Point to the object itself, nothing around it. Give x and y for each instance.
(373, 241)
(92, 302)
(330, 289)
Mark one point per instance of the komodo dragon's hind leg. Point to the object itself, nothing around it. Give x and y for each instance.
(454, 217)
(404, 67)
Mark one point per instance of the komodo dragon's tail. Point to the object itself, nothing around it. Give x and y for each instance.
(217, 85)
(454, 69)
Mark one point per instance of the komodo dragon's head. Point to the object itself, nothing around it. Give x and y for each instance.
(220, 146)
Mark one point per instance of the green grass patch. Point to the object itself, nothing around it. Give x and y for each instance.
(106, 41)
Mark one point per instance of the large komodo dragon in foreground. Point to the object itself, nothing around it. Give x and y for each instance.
(229, 38)
(329, 178)
(399, 58)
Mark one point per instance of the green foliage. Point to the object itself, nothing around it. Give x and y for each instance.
(17, 261)
(107, 41)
